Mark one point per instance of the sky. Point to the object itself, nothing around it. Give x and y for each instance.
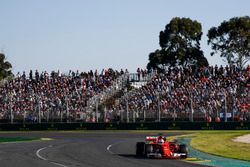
(94, 34)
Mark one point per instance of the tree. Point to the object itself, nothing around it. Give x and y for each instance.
(5, 67)
(156, 60)
(180, 45)
(232, 40)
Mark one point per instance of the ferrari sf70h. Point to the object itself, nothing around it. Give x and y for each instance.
(159, 147)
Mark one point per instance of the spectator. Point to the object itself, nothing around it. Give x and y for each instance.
(54, 94)
(207, 87)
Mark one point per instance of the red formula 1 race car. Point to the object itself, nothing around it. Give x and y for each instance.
(159, 147)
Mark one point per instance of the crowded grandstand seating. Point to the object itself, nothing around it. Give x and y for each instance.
(207, 92)
(54, 97)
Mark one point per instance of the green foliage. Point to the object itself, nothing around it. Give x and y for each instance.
(17, 139)
(232, 40)
(180, 45)
(5, 67)
(156, 60)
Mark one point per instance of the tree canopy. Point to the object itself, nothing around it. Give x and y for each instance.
(232, 39)
(180, 45)
(5, 67)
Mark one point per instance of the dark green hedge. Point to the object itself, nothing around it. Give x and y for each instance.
(128, 126)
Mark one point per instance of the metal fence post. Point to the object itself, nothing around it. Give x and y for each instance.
(96, 109)
(192, 109)
(225, 95)
(127, 112)
(144, 115)
(67, 108)
(11, 112)
(39, 109)
(159, 106)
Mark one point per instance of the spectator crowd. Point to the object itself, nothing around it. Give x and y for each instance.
(178, 93)
(182, 93)
(52, 96)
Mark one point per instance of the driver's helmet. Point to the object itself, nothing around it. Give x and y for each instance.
(161, 139)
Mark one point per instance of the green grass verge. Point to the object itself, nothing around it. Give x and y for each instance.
(17, 139)
(220, 143)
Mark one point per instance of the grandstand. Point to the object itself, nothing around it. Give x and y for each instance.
(178, 94)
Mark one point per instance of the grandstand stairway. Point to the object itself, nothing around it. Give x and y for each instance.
(96, 100)
(128, 81)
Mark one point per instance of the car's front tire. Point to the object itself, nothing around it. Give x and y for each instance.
(183, 150)
(140, 148)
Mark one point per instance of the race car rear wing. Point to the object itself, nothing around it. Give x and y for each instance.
(151, 138)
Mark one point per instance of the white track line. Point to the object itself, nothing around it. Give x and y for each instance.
(55, 163)
(42, 158)
(108, 149)
(111, 145)
(38, 153)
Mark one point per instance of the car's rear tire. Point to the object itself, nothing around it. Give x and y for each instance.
(140, 148)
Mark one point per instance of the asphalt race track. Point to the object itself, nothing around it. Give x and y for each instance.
(80, 149)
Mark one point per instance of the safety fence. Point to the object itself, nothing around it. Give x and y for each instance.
(127, 126)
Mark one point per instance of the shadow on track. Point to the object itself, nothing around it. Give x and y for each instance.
(133, 156)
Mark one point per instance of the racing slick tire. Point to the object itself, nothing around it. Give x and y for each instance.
(148, 149)
(140, 148)
(183, 149)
